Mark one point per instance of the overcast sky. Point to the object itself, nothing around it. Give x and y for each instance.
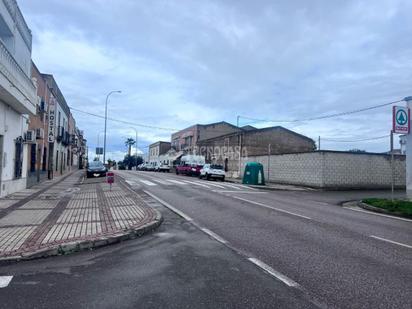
(184, 62)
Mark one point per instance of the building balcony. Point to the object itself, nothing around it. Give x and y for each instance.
(16, 88)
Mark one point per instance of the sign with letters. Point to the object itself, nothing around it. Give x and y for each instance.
(401, 122)
(52, 120)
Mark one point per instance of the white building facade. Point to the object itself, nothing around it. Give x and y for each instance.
(18, 97)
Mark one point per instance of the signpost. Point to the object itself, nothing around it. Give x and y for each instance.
(400, 124)
(110, 179)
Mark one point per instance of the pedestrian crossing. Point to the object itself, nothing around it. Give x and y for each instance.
(152, 181)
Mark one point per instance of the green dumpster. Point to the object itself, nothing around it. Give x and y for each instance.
(254, 174)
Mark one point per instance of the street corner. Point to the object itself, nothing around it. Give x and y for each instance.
(95, 215)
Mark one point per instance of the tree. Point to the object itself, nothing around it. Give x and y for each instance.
(129, 143)
(131, 161)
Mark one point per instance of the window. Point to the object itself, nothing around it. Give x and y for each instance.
(32, 157)
(18, 158)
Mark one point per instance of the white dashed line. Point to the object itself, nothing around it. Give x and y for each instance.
(231, 186)
(147, 182)
(271, 271)
(4, 281)
(214, 235)
(377, 214)
(175, 210)
(270, 207)
(391, 241)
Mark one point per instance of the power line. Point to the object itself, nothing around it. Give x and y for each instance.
(123, 121)
(325, 116)
(356, 140)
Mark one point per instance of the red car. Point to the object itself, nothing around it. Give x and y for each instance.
(190, 165)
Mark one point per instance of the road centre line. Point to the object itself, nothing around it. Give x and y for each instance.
(391, 241)
(378, 214)
(270, 207)
(4, 281)
(175, 210)
(274, 273)
(289, 282)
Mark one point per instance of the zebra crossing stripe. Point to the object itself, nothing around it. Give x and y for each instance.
(177, 182)
(147, 182)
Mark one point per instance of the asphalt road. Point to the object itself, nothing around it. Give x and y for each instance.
(177, 266)
(338, 257)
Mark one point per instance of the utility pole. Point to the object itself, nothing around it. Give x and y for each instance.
(268, 162)
(105, 123)
(392, 176)
(237, 121)
(319, 142)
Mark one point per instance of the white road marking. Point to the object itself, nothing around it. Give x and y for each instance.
(147, 182)
(214, 235)
(231, 186)
(4, 281)
(215, 185)
(177, 182)
(234, 191)
(391, 241)
(378, 214)
(274, 273)
(162, 182)
(197, 184)
(130, 182)
(175, 210)
(248, 187)
(270, 207)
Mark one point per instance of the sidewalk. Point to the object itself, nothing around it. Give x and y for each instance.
(65, 215)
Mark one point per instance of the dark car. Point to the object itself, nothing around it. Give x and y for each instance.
(96, 169)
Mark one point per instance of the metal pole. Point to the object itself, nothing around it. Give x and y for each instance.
(237, 121)
(319, 142)
(105, 123)
(268, 162)
(392, 178)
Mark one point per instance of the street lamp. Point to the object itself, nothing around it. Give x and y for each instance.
(105, 123)
(98, 143)
(135, 144)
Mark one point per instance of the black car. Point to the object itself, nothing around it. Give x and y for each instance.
(96, 169)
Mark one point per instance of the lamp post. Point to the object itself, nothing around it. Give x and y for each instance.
(136, 144)
(105, 123)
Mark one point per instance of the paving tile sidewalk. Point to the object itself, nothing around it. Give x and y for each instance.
(55, 218)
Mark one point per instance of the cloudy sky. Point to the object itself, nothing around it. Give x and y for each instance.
(184, 62)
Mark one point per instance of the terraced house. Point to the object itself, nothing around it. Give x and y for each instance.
(18, 97)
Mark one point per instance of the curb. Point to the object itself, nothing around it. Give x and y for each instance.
(77, 246)
(269, 188)
(380, 210)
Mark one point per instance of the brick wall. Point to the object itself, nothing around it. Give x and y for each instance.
(332, 169)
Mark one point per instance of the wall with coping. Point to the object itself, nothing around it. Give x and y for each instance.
(333, 169)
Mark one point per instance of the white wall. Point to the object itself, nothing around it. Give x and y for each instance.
(332, 169)
(12, 125)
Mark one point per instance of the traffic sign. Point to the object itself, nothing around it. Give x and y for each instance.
(401, 122)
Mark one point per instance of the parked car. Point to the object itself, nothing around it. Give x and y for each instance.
(150, 167)
(162, 168)
(212, 171)
(96, 169)
(190, 165)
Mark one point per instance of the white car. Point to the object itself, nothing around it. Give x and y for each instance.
(209, 171)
